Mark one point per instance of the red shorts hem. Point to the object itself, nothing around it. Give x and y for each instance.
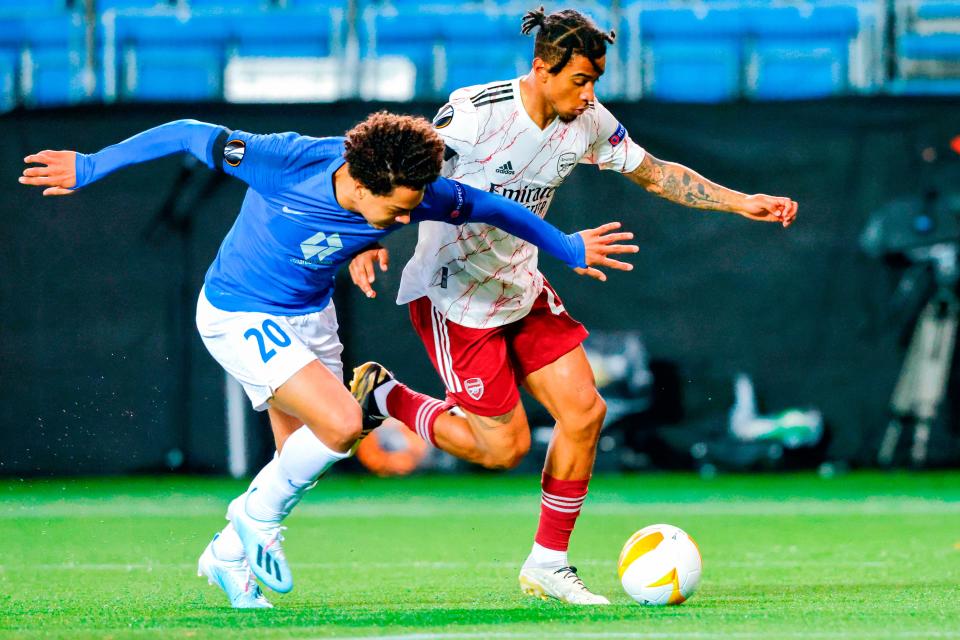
(481, 368)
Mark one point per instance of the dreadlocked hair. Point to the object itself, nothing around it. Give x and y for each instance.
(388, 150)
(564, 34)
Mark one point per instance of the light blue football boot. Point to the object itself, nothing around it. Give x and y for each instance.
(261, 542)
(234, 577)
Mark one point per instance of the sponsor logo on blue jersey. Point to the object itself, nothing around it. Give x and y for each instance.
(318, 248)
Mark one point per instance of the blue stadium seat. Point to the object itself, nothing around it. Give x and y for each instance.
(821, 22)
(178, 73)
(399, 34)
(56, 78)
(938, 10)
(690, 55)
(164, 57)
(926, 87)
(480, 49)
(315, 4)
(937, 46)
(12, 31)
(56, 56)
(26, 7)
(104, 5)
(222, 6)
(687, 23)
(785, 72)
(799, 54)
(467, 66)
(284, 33)
(8, 81)
(693, 72)
(450, 48)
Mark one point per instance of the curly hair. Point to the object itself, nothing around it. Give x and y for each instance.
(388, 150)
(564, 34)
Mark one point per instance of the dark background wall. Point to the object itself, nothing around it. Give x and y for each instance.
(100, 373)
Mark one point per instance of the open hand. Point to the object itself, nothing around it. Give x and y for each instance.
(361, 268)
(58, 173)
(600, 243)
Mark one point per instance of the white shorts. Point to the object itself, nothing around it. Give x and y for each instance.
(263, 351)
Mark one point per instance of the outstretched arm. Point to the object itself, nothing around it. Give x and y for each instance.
(685, 186)
(456, 203)
(64, 171)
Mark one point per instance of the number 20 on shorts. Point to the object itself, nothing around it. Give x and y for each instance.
(271, 330)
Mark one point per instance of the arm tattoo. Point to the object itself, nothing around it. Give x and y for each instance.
(679, 184)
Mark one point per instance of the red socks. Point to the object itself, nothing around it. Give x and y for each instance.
(416, 410)
(559, 507)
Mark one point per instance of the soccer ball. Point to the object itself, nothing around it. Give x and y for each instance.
(660, 565)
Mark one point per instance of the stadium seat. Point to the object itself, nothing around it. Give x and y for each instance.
(692, 72)
(785, 72)
(54, 59)
(165, 57)
(925, 87)
(467, 65)
(104, 5)
(314, 4)
(936, 17)
(932, 47)
(8, 81)
(478, 49)
(286, 33)
(25, 7)
(396, 33)
(12, 31)
(450, 49)
(179, 73)
(928, 59)
(691, 55)
(221, 6)
(798, 53)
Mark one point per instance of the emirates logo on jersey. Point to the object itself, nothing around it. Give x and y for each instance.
(474, 387)
(565, 163)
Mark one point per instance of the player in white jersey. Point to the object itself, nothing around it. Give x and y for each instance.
(488, 319)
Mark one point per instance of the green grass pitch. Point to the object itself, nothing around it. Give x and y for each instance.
(858, 556)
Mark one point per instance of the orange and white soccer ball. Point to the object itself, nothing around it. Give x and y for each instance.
(660, 565)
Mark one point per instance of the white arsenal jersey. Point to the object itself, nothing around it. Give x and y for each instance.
(475, 274)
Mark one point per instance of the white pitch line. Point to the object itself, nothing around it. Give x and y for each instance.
(615, 635)
(138, 507)
(453, 566)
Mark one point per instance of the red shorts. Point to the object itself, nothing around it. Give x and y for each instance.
(481, 368)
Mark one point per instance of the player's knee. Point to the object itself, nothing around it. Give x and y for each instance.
(585, 423)
(342, 426)
(509, 453)
(598, 412)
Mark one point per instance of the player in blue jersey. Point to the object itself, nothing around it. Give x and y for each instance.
(265, 310)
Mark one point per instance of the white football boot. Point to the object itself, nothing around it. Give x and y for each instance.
(234, 577)
(562, 584)
(261, 542)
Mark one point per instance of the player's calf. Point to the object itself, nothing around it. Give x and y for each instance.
(381, 396)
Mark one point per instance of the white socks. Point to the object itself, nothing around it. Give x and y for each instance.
(280, 485)
(380, 395)
(543, 558)
(227, 545)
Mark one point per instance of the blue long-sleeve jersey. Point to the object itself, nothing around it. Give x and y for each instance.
(291, 235)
